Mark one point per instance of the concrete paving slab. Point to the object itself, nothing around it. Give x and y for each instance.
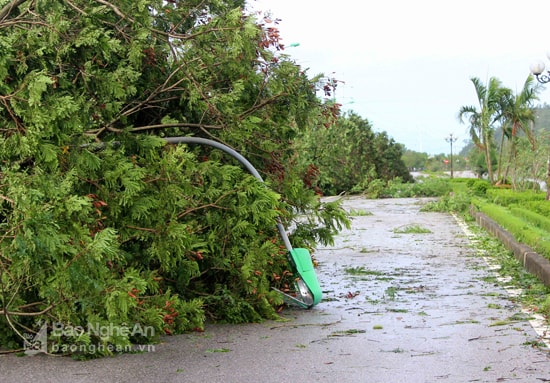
(398, 307)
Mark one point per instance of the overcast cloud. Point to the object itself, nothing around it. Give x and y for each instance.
(406, 65)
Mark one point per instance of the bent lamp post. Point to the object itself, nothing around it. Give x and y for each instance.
(308, 290)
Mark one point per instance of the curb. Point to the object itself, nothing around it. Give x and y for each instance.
(533, 262)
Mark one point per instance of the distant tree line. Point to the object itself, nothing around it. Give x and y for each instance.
(349, 155)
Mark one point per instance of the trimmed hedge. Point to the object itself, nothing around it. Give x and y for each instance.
(531, 217)
(506, 197)
(522, 230)
(541, 207)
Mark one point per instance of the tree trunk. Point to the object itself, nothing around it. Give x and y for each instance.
(500, 155)
(513, 155)
(485, 135)
(488, 161)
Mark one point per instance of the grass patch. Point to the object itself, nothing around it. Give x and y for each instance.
(384, 279)
(397, 310)
(411, 229)
(391, 293)
(364, 250)
(470, 321)
(359, 213)
(535, 343)
(361, 270)
(503, 322)
(533, 291)
(349, 332)
(212, 350)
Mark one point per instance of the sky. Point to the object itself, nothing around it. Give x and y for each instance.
(406, 65)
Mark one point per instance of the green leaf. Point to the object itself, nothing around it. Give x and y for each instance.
(37, 84)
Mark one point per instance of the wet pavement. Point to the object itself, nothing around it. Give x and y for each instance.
(406, 299)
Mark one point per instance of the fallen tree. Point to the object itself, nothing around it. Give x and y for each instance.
(102, 223)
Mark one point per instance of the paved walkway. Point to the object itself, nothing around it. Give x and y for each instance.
(399, 307)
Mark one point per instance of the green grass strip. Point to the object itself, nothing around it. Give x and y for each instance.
(522, 230)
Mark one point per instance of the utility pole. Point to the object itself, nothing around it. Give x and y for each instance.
(451, 139)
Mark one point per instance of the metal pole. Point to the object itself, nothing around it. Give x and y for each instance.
(451, 139)
(451, 158)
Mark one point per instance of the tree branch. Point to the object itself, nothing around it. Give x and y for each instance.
(8, 8)
(12, 202)
(26, 314)
(213, 204)
(261, 105)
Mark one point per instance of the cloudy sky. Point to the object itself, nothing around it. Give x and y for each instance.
(406, 65)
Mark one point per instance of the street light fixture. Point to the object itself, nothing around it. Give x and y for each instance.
(537, 68)
(451, 139)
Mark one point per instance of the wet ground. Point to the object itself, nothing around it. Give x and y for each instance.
(407, 299)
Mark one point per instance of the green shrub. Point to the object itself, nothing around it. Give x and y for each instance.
(478, 187)
(537, 239)
(375, 188)
(506, 197)
(431, 187)
(533, 218)
(541, 207)
(423, 187)
(452, 202)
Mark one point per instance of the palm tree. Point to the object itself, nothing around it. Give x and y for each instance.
(481, 120)
(516, 116)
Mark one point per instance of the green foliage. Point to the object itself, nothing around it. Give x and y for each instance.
(508, 133)
(417, 161)
(452, 202)
(411, 229)
(453, 195)
(533, 291)
(542, 120)
(522, 230)
(538, 220)
(373, 189)
(498, 104)
(359, 213)
(431, 187)
(396, 188)
(505, 197)
(530, 164)
(478, 187)
(541, 207)
(349, 157)
(321, 225)
(101, 222)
